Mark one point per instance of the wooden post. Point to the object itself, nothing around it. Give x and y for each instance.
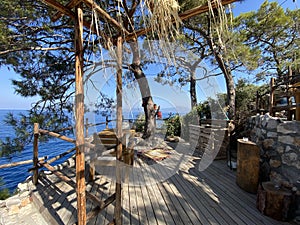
(271, 100)
(35, 153)
(79, 113)
(118, 208)
(106, 122)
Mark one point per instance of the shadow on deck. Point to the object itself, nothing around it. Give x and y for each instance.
(188, 197)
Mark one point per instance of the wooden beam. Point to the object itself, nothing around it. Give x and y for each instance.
(79, 115)
(66, 11)
(71, 4)
(105, 15)
(59, 7)
(202, 9)
(183, 16)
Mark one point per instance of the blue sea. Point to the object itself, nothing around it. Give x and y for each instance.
(14, 175)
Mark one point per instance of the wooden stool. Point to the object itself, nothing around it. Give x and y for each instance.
(275, 202)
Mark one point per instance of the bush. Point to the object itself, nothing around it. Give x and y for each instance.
(139, 123)
(4, 193)
(173, 126)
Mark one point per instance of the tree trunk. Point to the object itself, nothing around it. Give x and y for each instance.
(147, 101)
(228, 78)
(193, 89)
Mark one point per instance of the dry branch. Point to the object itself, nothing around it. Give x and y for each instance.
(183, 16)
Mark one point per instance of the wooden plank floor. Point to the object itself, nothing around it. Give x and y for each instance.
(186, 197)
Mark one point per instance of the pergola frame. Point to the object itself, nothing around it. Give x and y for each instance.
(77, 16)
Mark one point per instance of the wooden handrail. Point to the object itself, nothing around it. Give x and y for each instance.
(53, 134)
(13, 164)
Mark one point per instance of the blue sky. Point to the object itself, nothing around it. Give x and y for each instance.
(9, 100)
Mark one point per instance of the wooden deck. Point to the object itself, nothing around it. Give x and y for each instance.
(187, 197)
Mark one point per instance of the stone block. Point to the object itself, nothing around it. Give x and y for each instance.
(286, 139)
(25, 202)
(289, 158)
(280, 149)
(268, 143)
(288, 148)
(272, 124)
(272, 134)
(275, 163)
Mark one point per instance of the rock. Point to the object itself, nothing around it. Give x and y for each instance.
(14, 209)
(268, 143)
(280, 149)
(286, 139)
(24, 194)
(272, 123)
(26, 201)
(272, 134)
(275, 163)
(14, 200)
(22, 187)
(291, 159)
(288, 148)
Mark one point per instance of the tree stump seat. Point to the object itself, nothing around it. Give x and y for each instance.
(275, 201)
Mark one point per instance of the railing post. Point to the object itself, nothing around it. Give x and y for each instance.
(35, 153)
(106, 122)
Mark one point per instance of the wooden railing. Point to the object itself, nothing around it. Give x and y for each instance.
(286, 89)
(210, 131)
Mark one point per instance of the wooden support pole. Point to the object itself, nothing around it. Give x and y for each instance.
(118, 208)
(271, 100)
(79, 113)
(35, 153)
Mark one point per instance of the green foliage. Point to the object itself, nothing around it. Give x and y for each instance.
(4, 193)
(41, 52)
(173, 125)
(139, 123)
(245, 98)
(275, 33)
(22, 124)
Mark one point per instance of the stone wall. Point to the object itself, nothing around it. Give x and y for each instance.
(279, 143)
